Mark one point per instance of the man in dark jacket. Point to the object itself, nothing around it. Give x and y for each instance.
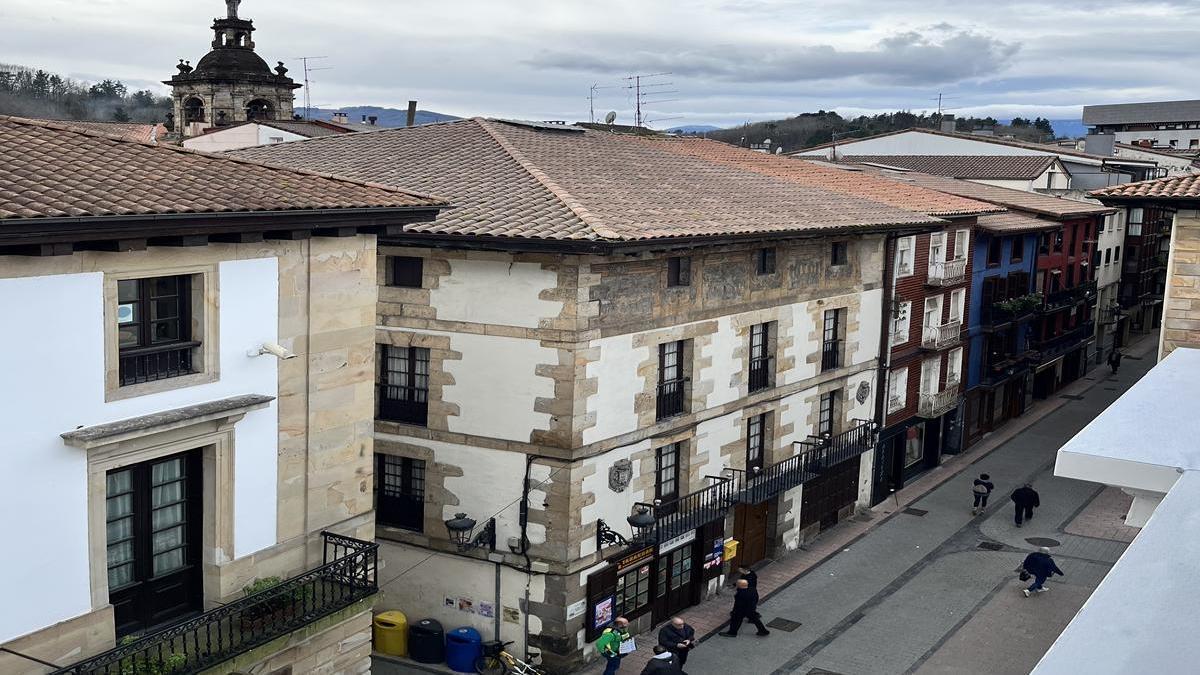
(662, 663)
(1025, 500)
(749, 575)
(678, 638)
(982, 489)
(745, 608)
(1041, 566)
(1114, 360)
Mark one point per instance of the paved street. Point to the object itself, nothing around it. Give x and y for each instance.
(918, 593)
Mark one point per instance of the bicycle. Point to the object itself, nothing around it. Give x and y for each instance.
(497, 661)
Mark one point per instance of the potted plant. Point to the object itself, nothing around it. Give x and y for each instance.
(144, 664)
(278, 607)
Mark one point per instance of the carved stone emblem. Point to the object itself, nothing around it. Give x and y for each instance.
(619, 475)
(863, 393)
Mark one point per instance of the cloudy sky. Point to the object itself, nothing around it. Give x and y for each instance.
(731, 60)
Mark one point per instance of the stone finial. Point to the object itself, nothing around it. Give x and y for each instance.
(231, 7)
(184, 67)
(280, 70)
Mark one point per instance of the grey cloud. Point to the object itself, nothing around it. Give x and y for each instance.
(910, 58)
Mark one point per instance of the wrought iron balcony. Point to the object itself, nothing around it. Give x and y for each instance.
(147, 364)
(670, 398)
(403, 404)
(935, 405)
(812, 457)
(691, 511)
(831, 355)
(346, 576)
(760, 373)
(941, 337)
(1052, 348)
(947, 273)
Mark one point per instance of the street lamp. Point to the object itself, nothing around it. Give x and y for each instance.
(640, 523)
(460, 528)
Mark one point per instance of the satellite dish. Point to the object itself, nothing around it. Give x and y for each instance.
(610, 117)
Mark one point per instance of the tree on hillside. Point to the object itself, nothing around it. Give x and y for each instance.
(32, 92)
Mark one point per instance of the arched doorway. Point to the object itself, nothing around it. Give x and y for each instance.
(259, 109)
(193, 110)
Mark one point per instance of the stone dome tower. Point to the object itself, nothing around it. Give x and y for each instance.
(231, 83)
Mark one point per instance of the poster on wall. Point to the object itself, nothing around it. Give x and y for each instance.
(602, 612)
(510, 614)
(713, 558)
(576, 609)
(466, 605)
(487, 609)
(448, 602)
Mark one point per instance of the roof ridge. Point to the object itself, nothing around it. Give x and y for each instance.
(214, 156)
(574, 205)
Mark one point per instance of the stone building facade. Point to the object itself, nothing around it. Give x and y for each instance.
(230, 84)
(195, 401)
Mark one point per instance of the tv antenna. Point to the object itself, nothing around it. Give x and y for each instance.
(643, 90)
(592, 99)
(942, 97)
(307, 96)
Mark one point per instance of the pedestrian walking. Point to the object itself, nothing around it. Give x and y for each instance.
(610, 642)
(1114, 360)
(745, 608)
(982, 489)
(1040, 566)
(662, 663)
(749, 575)
(1025, 499)
(678, 638)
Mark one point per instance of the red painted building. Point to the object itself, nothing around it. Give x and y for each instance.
(1064, 330)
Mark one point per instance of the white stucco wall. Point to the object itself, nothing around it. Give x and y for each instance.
(54, 382)
(613, 507)
(724, 368)
(243, 136)
(917, 143)
(617, 384)
(495, 292)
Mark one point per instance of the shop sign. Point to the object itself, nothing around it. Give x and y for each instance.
(576, 609)
(675, 542)
(625, 563)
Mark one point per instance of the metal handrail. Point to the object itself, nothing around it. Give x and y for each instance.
(347, 575)
(693, 510)
(947, 272)
(815, 456)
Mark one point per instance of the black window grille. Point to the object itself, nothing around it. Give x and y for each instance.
(406, 271)
(679, 271)
(666, 484)
(831, 343)
(670, 379)
(760, 357)
(828, 414)
(154, 329)
(400, 492)
(404, 384)
(756, 442)
(839, 253)
(766, 261)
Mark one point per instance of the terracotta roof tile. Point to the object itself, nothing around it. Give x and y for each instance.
(996, 167)
(49, 170)
(1173, 187)
(1014, 222)
(130, 131)
(516, 180)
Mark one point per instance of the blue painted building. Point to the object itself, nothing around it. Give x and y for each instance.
(1002, 305)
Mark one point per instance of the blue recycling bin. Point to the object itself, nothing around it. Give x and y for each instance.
(464, 646)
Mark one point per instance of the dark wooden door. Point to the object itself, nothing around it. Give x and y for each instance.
(153, 523)
(750, 529)
(677, 575)
(833, 490)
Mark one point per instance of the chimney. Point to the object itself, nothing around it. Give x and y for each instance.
(1099, 144)
(948, 124)
(341, 117)
(372, 120)
(412, 114)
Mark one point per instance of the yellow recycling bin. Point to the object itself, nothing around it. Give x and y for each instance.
(391, 633)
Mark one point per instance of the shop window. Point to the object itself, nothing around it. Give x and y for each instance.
(914, 445)
(633, 591)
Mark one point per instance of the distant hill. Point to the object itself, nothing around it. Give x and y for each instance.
(388, 117)
(1069, 128)
(693, 129)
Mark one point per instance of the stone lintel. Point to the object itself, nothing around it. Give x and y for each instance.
(113, 432)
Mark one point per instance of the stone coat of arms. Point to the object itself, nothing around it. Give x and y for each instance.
(619, 475)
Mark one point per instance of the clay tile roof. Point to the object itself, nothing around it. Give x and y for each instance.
(130, 131)
(50, 170)
(996, 167)
(1021, 200)
(514, 179)
(1013, 222)
(1186, 188)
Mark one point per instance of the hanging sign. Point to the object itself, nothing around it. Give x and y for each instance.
(675, 542)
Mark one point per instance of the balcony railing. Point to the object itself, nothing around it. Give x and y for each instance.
(812, 457)
(694, 510)
(147, 364)
(947, 273)
(940, 337)
(670, 398)
(937, 404)
(831, 355)
(1051, 348)
(346, 576)
(760, 373)
(403, 404)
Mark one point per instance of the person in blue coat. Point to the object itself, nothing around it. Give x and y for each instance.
(1042, 567)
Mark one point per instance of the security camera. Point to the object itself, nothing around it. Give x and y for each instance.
(273, 349)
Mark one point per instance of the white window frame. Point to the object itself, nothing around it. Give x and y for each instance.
(897, 399)
(902, 324)
(962, 239)
(954, 366)
(937, 249)
(929, 375)
(930, 302)
(906, 245)
(958, 304)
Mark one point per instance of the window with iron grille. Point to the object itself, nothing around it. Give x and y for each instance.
(670, 379)
(406, 271)
(154, 329)
(828, 415)
(400, 492)
(756, 442)
(679, 271)
(831, 343)
(761, 359)
(766, 261)
(666, 477)
(839, 253)
(404, 384)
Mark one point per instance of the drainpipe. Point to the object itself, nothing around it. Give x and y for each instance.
(885, 346)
